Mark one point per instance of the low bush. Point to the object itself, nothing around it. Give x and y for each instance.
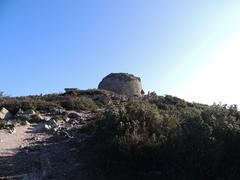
(176, 139)
(48, 102)
(78, 103)
(2, 125)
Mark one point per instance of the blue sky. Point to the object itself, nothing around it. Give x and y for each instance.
(176, 47)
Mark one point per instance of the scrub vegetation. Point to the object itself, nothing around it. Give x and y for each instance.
(167, 138)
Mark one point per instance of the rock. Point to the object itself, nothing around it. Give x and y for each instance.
(74, 114)
(36, 118)
(30, 112)
(20, 113)
(66, 119)
(50, 125)
(39, 117)
(53, 123)
(56, 111)
(99, 110)
(12, 131)
(47, 127)
(122, 83)
(10, 128)
(5, 114)
(29, 115)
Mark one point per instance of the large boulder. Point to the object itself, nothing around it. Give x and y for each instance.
(122, 83)
(5, 114)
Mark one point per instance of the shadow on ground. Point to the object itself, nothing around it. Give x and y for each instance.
(55, 158)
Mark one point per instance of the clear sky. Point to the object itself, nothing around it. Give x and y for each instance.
(190, 49)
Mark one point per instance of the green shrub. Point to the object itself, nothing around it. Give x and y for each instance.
(78, 103)
(48, 102)
(181, 140)
(134, 133)
(2, 125)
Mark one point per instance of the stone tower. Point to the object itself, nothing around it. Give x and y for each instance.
(122, 83)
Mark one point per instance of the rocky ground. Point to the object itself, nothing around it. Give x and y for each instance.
(45, 150)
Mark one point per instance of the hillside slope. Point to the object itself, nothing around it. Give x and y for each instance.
(106, 136)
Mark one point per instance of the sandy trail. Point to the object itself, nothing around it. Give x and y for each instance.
(13, 163)
(11, 143)
(32, 152)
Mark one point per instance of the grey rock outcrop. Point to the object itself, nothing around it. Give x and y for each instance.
(29, 115)
(5, 114)
(122, 83)
(51, 125)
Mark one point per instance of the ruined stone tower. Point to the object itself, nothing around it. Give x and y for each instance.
(122, 83)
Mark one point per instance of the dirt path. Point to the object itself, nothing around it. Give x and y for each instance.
(31, 153)
(23, 136)
(10, 143)
(12, 161)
